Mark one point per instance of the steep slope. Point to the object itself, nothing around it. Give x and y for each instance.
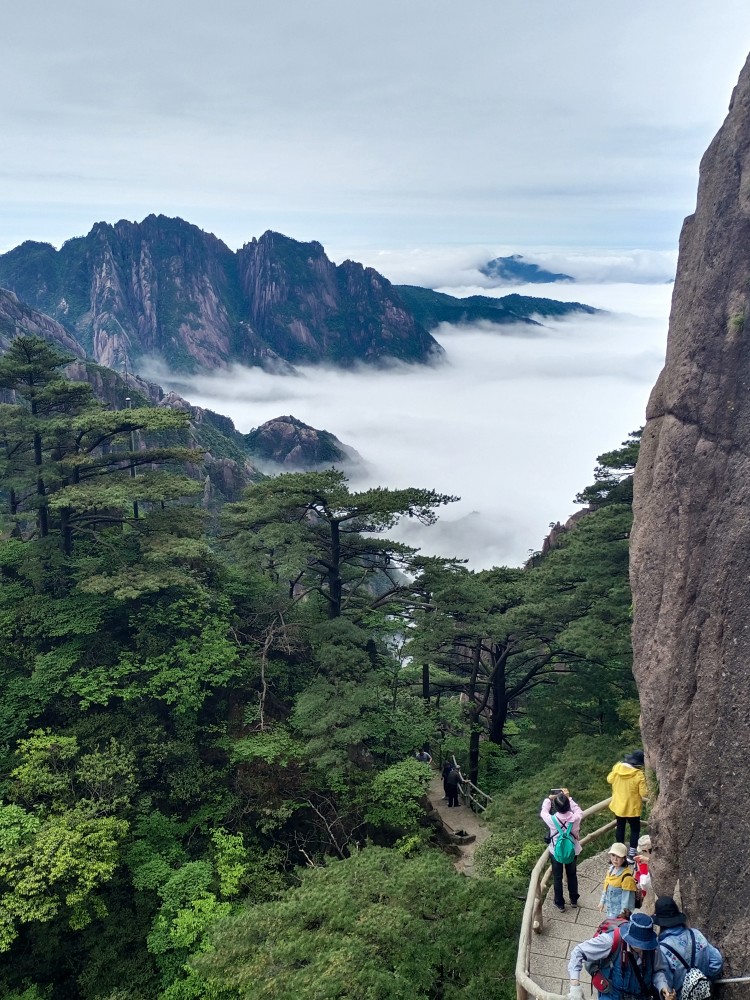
(690, 562)
(227, 465)
(163, 288)
(17, 318)
(309, 309)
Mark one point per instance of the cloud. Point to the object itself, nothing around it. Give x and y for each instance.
(458, 267)
(490, 123)
(512, 424)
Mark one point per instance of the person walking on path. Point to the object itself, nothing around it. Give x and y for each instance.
(447, 768)
(561, 814)
(451, 784)
(629, 792)
(618, 892)
(682, 947)
(630, 961)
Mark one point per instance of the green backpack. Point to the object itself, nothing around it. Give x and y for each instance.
(565, 848)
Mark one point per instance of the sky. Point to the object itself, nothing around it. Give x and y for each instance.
(421, 137)
(369, 127)
(511, 422)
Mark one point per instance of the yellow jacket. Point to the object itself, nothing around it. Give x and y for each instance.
(629, 789)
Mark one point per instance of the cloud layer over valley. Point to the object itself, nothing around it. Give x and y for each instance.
(512, 421)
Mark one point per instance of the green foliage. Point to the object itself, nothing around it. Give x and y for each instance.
(395, 795)
(58, 867)
(188, 719)
(378, 925)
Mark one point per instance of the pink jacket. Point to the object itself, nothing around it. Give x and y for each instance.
(573, 815)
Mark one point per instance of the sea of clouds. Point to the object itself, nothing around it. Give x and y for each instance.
(459, 267)
(511, 421)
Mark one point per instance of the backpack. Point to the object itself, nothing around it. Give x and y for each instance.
(610, 924)
(696, 985)
(565, 848)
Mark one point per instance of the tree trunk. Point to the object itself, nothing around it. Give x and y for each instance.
(474, 755)
(335, 586)
(500, 700)
(426, 683)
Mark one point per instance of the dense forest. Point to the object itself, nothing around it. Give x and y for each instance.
(208, 783)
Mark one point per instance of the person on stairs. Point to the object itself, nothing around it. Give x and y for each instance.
(629, 792)
(682, 947)
(631, 966)
(618, 891)
(563, 818)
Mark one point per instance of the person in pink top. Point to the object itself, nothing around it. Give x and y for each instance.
(559, 811)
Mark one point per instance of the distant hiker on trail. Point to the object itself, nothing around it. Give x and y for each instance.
(626, 962)
(629, 791)
(447, 768)
(424, 756)
(618, 892)
(452, 782)
(563, 817)
(684, 948)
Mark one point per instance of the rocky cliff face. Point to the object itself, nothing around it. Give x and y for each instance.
(16, 318)
(690, 557)
(165, 289)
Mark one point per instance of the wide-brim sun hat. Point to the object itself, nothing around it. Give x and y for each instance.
(667, 913)
(619, 849)
(639, 932)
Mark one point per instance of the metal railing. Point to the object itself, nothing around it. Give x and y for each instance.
(533, 919)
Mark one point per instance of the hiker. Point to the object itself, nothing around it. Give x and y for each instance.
(451, 784)
(447, 768)
(629, 961)
(642, 875)
(423, 756)
(618, 892)
(629, 791)
(682, 947)
(563, 817)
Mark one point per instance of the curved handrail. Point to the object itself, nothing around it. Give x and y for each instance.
(467, 788)
(533, 921)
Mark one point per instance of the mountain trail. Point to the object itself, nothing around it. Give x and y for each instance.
(460, 818)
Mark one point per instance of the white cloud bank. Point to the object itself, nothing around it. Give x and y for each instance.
(458, 267)
(512, 422)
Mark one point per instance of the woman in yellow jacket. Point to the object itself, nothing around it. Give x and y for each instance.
(629, 791)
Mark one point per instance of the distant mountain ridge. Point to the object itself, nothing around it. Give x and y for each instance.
(432, 308)
(164, 288)
(516, 270)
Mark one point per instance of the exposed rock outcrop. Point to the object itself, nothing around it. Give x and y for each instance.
(166, 290)
(17, 318)
(690, 557)
(290, 445)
